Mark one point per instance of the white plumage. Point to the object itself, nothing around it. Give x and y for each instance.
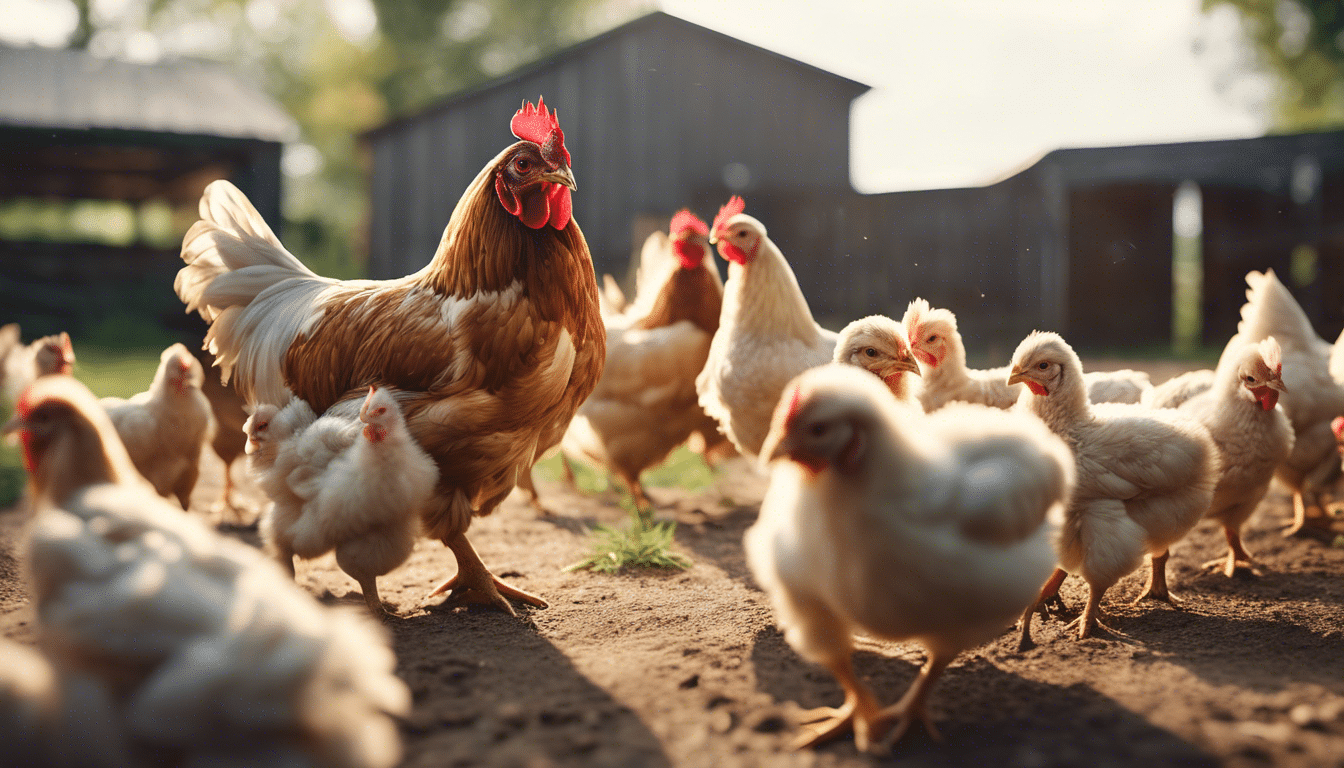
(1145, 477)
(211, 656)
(901, 525)
(166, 427)
(352, 482)
(21, 364)
(766, 335)
(878, 345)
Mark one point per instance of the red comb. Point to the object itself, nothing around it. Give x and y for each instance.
(795, 405)
(1337, 426)
(685, 220)
(734, 206)
(536, 125)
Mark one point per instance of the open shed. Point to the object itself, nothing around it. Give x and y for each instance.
(77, 127)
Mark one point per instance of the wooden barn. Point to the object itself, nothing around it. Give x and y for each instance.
(658, 114)
(74, 127)
(661, 113)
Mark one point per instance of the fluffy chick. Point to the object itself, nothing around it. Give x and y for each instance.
(878, 345)
(1145, 477)
(882, 520)
(352, 483)
(166, 427)
(21, 364)
(211, 656)
(1253, 436)
(935, 340)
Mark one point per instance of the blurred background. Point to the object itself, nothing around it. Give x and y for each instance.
(1109, 170)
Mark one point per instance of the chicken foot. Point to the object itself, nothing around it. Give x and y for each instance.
(1301, 520)
(1048, 591)
(474, 583)
(1237, 557)
(1156, 588)
(913, 705)
(1090, 620)
(823, 724)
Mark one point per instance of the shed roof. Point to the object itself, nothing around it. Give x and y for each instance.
(59, 88)
(649, 23)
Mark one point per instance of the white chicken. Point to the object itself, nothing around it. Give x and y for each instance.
(766, 332)
(1145, 477)
(355, 483)
(882, 520)
(166, 427)
(1253, 437)
(878, 345)
(645, 404)
(211, 655)
(937, 343)
(1312, 397)
(21, 364)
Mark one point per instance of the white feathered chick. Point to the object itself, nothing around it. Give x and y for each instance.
(1252, 434)
(1145, 477)
(21, 364)
(878, 345)
(212, 656)
(1312, 397)
(766, 333)
(166, 427)
(937, 343)
(355, 483)
(882, 520)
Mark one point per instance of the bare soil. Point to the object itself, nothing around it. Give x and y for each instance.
(687, 668)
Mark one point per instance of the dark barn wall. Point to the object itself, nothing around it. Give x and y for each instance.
(651, 116)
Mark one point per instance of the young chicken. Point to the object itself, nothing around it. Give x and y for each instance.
(935, 340)
(166, 427)
(645, 405)
(882, 520)
(878, 345)
(356, 489)
(211, 655)
(21, 364)
(1145, 477)
(1252, 435)
(766, 332)
(1311, 398)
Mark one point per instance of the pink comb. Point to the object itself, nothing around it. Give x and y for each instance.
(540, 127)
(685, 220)
(734, 206)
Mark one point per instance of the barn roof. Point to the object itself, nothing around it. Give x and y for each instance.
(649, 24)
(57, 88)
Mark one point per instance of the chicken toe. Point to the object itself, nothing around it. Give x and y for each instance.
(1156, 588)
(912, 706)
(475, 584)
(1237, 558)
(826, 723)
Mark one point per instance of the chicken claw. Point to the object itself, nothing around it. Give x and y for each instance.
(475, 584)
(823, 724)
(1237, 559)
(1156, 588)
(912, 706)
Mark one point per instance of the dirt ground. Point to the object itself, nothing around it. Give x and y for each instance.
(687, 668)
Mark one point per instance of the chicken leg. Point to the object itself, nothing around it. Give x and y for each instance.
(855, 713)
(474, 583)
(1048, 591)
(1237, 556)
(913, 705)
(1156, 588)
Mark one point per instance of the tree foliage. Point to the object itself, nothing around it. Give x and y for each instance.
(1301, 43)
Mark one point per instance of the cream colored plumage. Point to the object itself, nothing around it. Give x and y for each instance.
(1253, 436)
(21, 364)
(883, 520)
(1312, 397)
(1145, 477)
(878, 345)
(935, 340)
(166, 427)
(766, 334)
(352, 482)
(210, 654)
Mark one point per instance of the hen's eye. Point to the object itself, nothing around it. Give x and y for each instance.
(818, 430)
(1043, 366)
(933, 338)
(522, 164)
(1250, 379)
(870, 352)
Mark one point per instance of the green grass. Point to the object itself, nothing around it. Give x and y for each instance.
(684, 469)
(109, 373)
(642, 543)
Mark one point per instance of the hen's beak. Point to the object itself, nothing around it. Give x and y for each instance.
(13, 425)
(776, 446)
(1276, 384)
(1018, 377)
(561, 175)
(906, 364)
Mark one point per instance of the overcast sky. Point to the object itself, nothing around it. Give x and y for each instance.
(964, 91)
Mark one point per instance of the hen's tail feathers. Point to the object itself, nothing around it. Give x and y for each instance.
(237, 274)
(1270, 310)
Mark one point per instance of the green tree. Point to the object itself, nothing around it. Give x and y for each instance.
(1301, 43)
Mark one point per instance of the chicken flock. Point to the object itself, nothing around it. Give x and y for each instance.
(910, 497)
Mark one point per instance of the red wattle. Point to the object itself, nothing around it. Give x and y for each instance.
(1267, 397)
(1036, 388)
(733, 253)
(689, 254)
(894, 380)
(925, 357)
(506, 197)
(29, 464)
(562, 207)
(547, 204)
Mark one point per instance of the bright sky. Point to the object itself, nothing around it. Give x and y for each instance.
(964, 91)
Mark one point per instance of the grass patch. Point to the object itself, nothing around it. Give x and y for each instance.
(683, 469)
(642, 543)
